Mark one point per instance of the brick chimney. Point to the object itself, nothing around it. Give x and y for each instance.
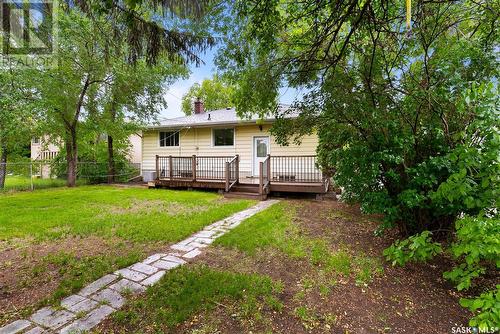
(198, 106)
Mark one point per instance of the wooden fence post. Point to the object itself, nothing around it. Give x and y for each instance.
(193, 167)
(269, 168)
(170, 168)
(157, 167)
(261, 178)
(227, 176)
(237, 169)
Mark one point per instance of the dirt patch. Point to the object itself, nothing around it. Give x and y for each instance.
(27, 278)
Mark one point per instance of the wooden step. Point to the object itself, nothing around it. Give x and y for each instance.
(246, 188)
(246, 195)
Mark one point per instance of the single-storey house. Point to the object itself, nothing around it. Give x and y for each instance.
(218, 149)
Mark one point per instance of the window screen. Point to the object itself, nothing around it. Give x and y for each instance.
(223, 137)
(169, 138)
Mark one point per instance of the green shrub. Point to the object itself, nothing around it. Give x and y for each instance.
(417, 248)
(477, 245)
(486, 308)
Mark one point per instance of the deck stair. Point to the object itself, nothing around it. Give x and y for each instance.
(250, 191)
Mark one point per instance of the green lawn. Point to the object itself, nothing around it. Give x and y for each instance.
(17, 183)
(131, 213)
(188, 290)
(130, 222)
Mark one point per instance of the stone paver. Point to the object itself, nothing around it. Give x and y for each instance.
(124, 285)
(167, 265)
(90, 321)
(131, 274)
(51, 318)
(76, 303)
(153, 258)
(36, 330)
(144, 268)
(154, 278)
(192, 254)
(173, 258)
(109, 297)
(102, 297)
(183, 248)
(96, 285)
(15, 327)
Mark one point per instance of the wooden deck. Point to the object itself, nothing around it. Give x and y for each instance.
(291, 187)
(292, 174)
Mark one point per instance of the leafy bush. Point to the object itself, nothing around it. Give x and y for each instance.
(417, 248)
(477, 245)
(486, 308)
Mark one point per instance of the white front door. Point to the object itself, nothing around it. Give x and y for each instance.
(260, 152)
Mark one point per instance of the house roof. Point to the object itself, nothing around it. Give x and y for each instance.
(226, 116)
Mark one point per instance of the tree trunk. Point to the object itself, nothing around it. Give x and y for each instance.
(111, 161)
(3, 165)
(71, 157)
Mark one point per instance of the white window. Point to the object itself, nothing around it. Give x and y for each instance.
(223, 137)
(169, 138)
(35, 140)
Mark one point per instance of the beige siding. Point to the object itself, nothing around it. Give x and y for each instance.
(199, 141)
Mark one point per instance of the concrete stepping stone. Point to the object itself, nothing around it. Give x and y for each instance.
(51, 318)
(154, 258)
(36, 330)
(109, 297)
(15, 327)
(166, 265)
(206, 241)
(131, 274)
(144, 268)
(192, 254)
(88, 322)
(125, 285)
(97, 285)
(182, 247)
(173, 258)
(76, 303)
(154, 278)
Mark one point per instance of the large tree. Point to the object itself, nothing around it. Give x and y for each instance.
(134, 96)
(81, 65)
(155, 28)
(382, 98)
(95, 60)
(407, 118)
(215, 94)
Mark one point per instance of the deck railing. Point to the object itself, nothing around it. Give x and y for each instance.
(300, 169)
(232, 172)
(265, 175)
(194, 167)
(274, 169)
(211, 168)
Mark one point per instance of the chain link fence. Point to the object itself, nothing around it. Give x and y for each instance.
(42, 174)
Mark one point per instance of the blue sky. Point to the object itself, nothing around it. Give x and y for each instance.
(198, 74)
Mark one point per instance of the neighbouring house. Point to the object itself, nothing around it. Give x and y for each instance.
(218, 149)
(44, 151)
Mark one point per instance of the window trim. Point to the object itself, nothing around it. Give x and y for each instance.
(172, 131)
(212, 139)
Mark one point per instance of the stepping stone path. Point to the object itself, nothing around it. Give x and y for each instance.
(86, 309)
